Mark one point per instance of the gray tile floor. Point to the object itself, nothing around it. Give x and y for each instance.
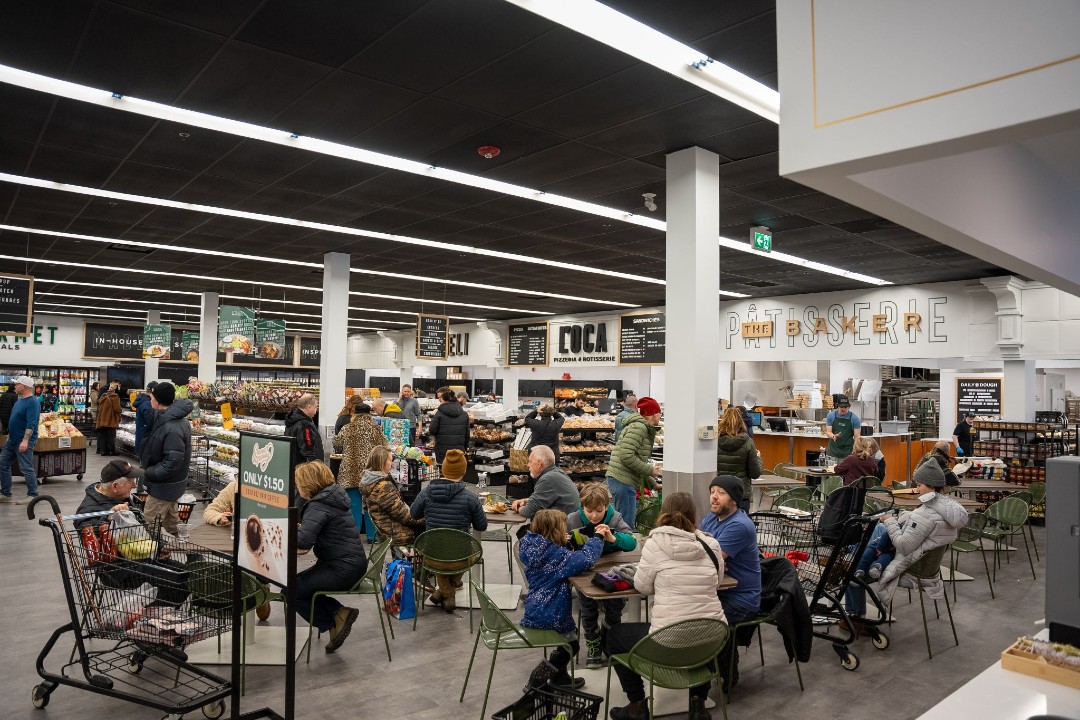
(424, 679)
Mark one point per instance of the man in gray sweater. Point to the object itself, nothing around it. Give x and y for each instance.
(553, 489)
(410, 410)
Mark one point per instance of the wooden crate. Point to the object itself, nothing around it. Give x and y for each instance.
(1012, 658)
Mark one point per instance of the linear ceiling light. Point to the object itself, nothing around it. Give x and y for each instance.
(745, 247)
(603, 24)
(282, 261)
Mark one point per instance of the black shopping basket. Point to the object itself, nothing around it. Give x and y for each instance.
(547, 702)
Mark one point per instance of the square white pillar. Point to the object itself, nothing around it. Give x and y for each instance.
(1019, 391)
(208, 336)
(335, 337)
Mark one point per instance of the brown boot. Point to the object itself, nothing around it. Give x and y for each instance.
(343, 622)
(263, 611)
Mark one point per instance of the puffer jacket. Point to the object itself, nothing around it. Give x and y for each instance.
(388, 511)
(144, 419)
(166, 452)
(356, 440)
(736, 455)
(547, 568)
(545, 431)
(554, 490)
(108, 415)
(450, 428)
(681, 576)
(918, 531)
(629, 463)
(449, 504)
(327, 526)
(300, 427)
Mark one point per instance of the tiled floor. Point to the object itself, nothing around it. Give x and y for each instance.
(424, 679)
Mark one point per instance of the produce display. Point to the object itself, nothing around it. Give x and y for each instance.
(225, 453)
(272, 396)
(51, 425)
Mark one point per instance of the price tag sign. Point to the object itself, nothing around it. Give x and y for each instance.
(64, 442)
(226, 416)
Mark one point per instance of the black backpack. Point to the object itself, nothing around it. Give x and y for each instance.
(841, 504)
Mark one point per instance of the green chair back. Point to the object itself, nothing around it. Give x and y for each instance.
(1023, 495)
(972, 532)
(929, 565)
(785, 470)
(1038, 493)
(684, 645)
(646, 519)
(376, 567)
(828, 485)
(800, 493)
(1010, 512)
(796, 504)
(492, 619)
(448, 545)
(210, 584)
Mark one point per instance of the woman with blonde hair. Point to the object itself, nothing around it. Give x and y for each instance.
(356, 441)
(860, 463)
(387, 510)
(736, 454)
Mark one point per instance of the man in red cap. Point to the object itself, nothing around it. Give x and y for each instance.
(630, 468)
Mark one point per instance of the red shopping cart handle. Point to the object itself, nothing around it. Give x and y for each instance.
(42, 498)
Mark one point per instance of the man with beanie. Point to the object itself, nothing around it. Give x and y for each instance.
(630, 468)
(166, 455)
(737, 536)
(447, 503)
(144, 415)
(552, 488)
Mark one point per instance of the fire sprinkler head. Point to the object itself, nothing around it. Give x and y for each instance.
(488, 151)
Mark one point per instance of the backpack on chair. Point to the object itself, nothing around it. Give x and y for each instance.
(841, 504)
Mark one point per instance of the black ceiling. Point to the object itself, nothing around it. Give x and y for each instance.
(428, 81)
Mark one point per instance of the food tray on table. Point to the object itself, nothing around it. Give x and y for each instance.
(548, 702)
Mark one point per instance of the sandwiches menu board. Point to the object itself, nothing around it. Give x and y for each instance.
(16, 304)
(642, 339)
(432, 337)
(236, 330)
(527, 345)
(270, 339)
(157, 342)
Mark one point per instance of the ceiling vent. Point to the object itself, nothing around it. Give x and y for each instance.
(130, 249)
(760, 283)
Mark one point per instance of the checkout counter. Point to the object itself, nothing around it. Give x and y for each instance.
(802, 441)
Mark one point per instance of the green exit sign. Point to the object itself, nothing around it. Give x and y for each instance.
(761, 239)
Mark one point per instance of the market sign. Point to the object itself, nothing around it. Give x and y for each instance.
(157, 342)
(642, 338)
(270, 339)
(264, 533)
(978, 396)
(236, 330)
(16, 305)
(432, 337)
(527, 345)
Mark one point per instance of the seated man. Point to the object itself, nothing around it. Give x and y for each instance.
(737, 536)
(552, 488)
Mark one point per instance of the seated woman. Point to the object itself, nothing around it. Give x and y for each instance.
(328, 528)
(219, 511)
(682, 568)
(383, 499)
(860, 463)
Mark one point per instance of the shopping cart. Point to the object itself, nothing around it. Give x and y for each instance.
(131, 618)
(826, 570)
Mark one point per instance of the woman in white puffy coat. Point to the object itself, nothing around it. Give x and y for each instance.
(682, 569)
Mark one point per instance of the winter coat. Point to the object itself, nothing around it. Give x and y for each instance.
(553, 489)
(854, 467)
(144, 419)
(108, 415)
(7, 402)
(783, 598)
(547, 569)
(166, 452)
(629, 463)
(915, 532)
(545, 430)
(342, 421)
(221, 504)
(448, 504)
(94, 395)
(736, 455)
(94, 502)
(299, 426)
(388, 511)
(356, 440)
(450, 428)
(581, 530)
(675, 568)
(327, 525)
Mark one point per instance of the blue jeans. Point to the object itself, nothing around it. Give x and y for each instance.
(855, 596)
(364, 523)
(8, 456)
(624, 498)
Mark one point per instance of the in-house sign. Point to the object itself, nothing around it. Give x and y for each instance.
(581, 343)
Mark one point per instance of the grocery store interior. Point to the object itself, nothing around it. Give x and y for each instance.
(541, 202)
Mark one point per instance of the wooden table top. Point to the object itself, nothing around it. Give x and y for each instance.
(909, 502)
(506, 518)
(776, 480)
(583, 582)
(986, 484)
(214, 537)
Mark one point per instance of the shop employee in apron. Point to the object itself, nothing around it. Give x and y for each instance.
(842, 427)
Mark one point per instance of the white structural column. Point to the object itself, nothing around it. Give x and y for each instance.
(208, 333)
(152, 368)
(1018, 395)
(693, 320)
(335, 336)
(1019, 392)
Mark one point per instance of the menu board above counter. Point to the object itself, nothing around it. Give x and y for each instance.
(642, 339)
(432, 337)
(16, 304)
(527, 345)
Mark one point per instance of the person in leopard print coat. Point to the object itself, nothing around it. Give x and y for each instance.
(356, 441)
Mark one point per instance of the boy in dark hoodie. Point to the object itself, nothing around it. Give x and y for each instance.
(597, 518)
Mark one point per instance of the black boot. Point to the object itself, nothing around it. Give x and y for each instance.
(697, 709)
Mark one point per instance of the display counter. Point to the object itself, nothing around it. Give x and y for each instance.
(789, 447)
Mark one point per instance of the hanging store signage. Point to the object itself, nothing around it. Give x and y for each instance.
(236, 330)
(642, 339)
(978, 396)
(582, 343)
(432, 337)
(262, 511)
(285, 357)
(16, 304)
(527, 345)
(157, 342)
(189, 346)
(270, 339)
(111, 341)
(310, 352)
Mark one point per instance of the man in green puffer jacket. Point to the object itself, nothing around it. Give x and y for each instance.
(630, 469)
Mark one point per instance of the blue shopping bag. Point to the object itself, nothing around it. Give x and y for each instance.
(398, 597)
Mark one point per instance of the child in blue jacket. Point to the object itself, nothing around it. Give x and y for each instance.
(597, 518)
(548, 565)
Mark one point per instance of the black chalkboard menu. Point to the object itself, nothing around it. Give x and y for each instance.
(642, 339)
(115, 341)
(978, 396)
(432, 337)
(310, 352)
(527, 345)
(16, 304)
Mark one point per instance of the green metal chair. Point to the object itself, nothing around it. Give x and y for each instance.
(874, 505)
(1037, 504)
(678, 657)
(500, 535)
(370, 584)
(821, 492)
(209, 584)
(1006, 518)
(796, 503)
(756, 622)
(646, 519)
(785, 470)
(969, 540)
(799, 493)
(446, 546)
(499, 633)
(781, 470)
(928, 567)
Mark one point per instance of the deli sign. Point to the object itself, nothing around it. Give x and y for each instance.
(583, 343)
